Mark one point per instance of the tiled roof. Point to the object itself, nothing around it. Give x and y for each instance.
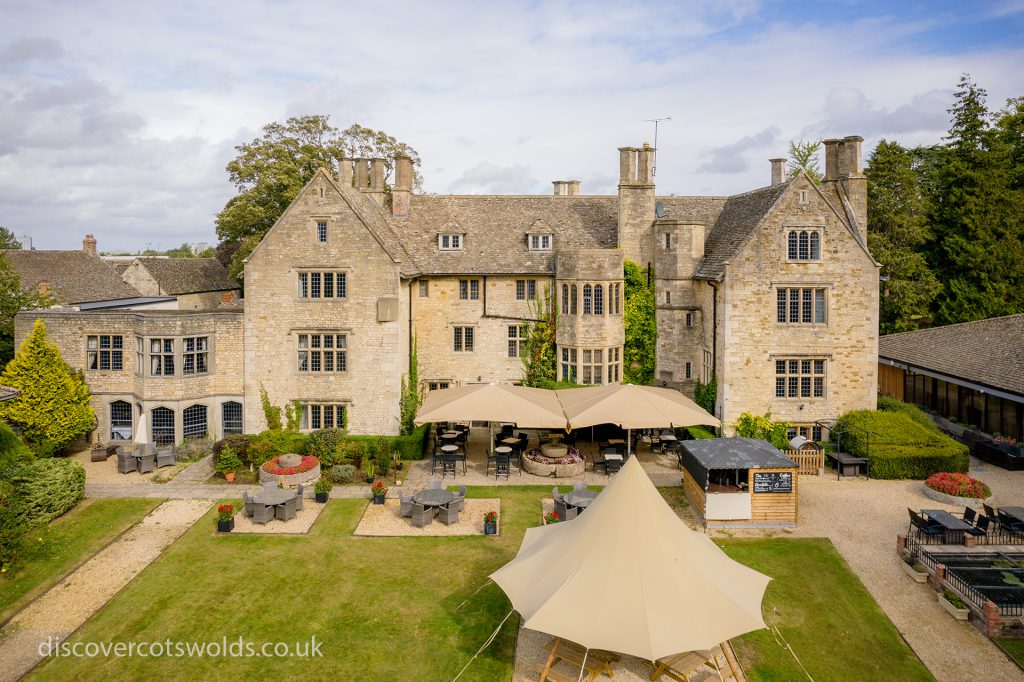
(177, 276)
(74, 276)
(988, 352)
(738, 219)
(6, 393)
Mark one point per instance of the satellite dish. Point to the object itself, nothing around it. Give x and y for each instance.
(659, 209)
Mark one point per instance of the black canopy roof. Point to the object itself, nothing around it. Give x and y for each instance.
(701, 456)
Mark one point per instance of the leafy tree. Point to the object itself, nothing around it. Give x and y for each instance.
(540, 361)
(53, 408)
(803, 156)
(763, 428)
(208, 252)
(183, 251)
(8, 240)
(897, 217)
(13, 300)
(411, 396)
(638, 353)
(706, 395)
(270, 171)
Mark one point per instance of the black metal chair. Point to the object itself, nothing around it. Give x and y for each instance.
(981, 529)
(1010, 523)
(501, 466)
(448, 464)
(969, 514)
(599, 461)
(925, 527)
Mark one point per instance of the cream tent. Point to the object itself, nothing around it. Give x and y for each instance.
(631, 407)
(629, 576)
(526, 407)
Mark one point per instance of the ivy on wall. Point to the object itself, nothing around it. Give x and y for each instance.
(411, 395)
(540, 360)
(638, 355)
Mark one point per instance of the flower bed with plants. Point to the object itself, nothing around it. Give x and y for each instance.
(954, 488)
(308, 469)
(570, 464)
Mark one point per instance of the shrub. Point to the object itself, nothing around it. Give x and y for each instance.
(192, 449)
(48, 488)
(12, 526)
(888, 404)
(12, 450)
(408, 447)
(324, 444)
(273, 443)
(53, 409)
(228, 461)
(239, 443)
(750, 426)
(342, 473)
(271, 412)
(699, 433)
(898, 446)
(958, 485)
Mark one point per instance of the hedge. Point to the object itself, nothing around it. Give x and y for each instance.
(48, 488)
(237, 442)
(898, 446)
(887, 404)
(699, 433)
(407, 447)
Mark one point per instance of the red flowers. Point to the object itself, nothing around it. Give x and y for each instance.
(271, 467)
(225, 512)
(958, 485)
(379, 488)
(551, 517)
(491, 517)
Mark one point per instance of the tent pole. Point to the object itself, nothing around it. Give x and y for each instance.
(583, 666)
(629, 443)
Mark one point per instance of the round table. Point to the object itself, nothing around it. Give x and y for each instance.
(433, 498)
(503, 450)
(449, 436)
(510, 441)
(580, 498)
(273, 497)
(449, 448)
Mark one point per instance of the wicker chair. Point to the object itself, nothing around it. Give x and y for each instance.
(147, 463)
(261, 513)
(298, 498)
(459, 503)
(165, 458)
(421, 515)
(404, 504)
(126, 462)
(447, 515)
(435, 484)
(561, 509)
(555, 494)
(247, 503)
(286, 511)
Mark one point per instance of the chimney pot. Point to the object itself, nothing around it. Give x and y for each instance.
(778, 170)
(227, 297)
(401, 193)
(89, 244)
(362, 174)
(574, 187)
(347, 171)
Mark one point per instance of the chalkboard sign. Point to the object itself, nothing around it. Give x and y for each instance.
(773, 481)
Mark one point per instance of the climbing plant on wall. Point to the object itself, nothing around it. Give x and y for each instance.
(411, 396)
(539, 357)
(641, 328)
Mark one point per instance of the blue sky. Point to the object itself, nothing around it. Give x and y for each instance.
(118, 118)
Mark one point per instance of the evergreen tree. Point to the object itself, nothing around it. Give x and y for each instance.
(13, 300)
(411, 397)
(53, 408)
(8, 240)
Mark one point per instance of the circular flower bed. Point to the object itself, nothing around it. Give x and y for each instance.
(569, 464)
(307, 469)
(959, 485)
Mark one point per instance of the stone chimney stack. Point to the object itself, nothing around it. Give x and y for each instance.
(376, 189)
(636, 203)
(843, 167)
(44, 287)
(566, 188)
(831, 158)
(362, 174)
(645, 165)
(347, 171)
(401, 192)
(778, 171)
(89, 244)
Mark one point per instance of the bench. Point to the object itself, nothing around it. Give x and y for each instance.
(596, 662)
(848, 465)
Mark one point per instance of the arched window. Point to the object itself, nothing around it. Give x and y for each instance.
(599, 300)
(804, 249)
(194, 422)
(792, 245)
(572, 307)
(231, 417)
(120, 420)
(815, 246)
(162, 432)
(588, 295)
(565, 299)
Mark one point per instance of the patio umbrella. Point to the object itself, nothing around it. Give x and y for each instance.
(628, 575)
(526, 407)
(141, 431)
(632, 407)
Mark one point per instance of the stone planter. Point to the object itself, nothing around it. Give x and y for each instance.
(552, 450)
(916, 575)
(292, 479)
(959, 614)
(226, 526)
(321, 497)
(954, 501)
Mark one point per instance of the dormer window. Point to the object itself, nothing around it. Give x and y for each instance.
(449, 242)
(540, 242)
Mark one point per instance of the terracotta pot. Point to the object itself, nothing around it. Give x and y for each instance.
(229, 476)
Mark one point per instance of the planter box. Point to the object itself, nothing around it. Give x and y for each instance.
(1009, 457)
(959, 614)
(918, 576)
(226, 526)
(378, 499)
(321, 497)
(491, 528)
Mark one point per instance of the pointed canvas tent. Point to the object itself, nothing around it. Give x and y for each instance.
(629, 576)
(526, 407)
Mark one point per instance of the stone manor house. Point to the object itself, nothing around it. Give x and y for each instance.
(774, 291)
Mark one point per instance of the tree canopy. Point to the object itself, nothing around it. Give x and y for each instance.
(12, 300)
(804, 156)
(269, 172)
(8, 240)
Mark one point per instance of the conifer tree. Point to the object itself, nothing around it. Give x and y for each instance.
(53, 408)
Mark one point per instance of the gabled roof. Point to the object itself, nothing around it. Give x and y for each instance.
(177, 276)
(74, 276)
(987, 352)
(738, 219)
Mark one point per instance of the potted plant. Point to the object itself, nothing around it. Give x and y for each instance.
(491, 523)
(99, 453)
(955, 606)
(322, 489)
(369, 468)
(551, 517)
(227, 463)
(379, 491)
(914, 570)
(225, 518)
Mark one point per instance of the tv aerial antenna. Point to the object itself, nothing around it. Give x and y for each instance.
(656, 121)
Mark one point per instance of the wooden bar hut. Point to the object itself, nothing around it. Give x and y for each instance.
(740, 482)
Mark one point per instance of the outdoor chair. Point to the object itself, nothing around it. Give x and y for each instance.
(286, 511)
(247, 504)
(165, 458)
(561, 508)
(599, 461)
(1008, 522)
(447, 515)
(261, 513)
(435, 484)
(501, 466)
(298, 498)
(126, 462)
(989, 511)
(448, 460)
(506, 430)
(404, 504)
(969, 514)
(612, 466)
(459, 503)
(555, 494)
(926, 527)
(421, 515)
(146, 463)
(492, 460)
(981, 529)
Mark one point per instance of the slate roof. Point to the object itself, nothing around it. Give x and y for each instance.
(988, 352)
(737, 220)
(737, 453)
(495, 229)
(177, 276)
(74, 276)
(7, 393)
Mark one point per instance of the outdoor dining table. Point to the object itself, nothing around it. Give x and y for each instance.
(449, 435)
(272, 498)
(947, 520)
(580, 498)
(510, 441)
(433, 498)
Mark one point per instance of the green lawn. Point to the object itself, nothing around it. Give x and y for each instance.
(410, 609)
(71, 540)
(1014, 648)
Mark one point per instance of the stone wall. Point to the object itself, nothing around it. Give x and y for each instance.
(678, 247)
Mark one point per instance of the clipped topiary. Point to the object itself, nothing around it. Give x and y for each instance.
(48, 488)
(342, 473)
(53, 408)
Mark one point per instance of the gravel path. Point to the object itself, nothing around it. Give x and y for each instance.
(68, 604)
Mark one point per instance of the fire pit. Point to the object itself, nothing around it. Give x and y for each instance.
(558, 461)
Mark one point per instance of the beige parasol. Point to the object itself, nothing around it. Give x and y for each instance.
(628, 575)
(141, 431)
(526, 407)
(631, 407)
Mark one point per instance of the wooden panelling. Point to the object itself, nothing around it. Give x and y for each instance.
(890, 380)
(773, 507)
(694, 494)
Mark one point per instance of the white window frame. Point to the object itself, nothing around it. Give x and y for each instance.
(540, 242)
(449, 242)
